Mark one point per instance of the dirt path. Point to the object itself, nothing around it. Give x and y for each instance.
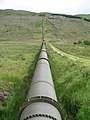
(72, 57)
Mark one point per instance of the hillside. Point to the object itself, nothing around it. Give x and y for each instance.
(20, 41)
(63, 28)
(87, 16)
(69, 30)
(15, 12)
(18, 26)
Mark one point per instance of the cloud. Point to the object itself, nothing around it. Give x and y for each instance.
(56, 6)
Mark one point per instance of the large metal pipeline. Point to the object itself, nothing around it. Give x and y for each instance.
(41, 102)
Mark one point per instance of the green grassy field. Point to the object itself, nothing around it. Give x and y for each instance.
(85, 16)
(82, 51)
(20, 41)
(17, 64)
(71, 78)
(69, 30)
(72, 83)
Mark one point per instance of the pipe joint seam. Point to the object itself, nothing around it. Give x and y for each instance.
(40, 99)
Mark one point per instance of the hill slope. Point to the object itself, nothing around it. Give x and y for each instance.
(15, 12)
(69, 30)
(87, 16)
(20, 40)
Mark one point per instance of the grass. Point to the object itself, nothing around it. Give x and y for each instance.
(87, 16)
(17, 67)
(82, 51)
(15, 12)
(20, 39)
(20, 28)
(69, 30)
(72, 84)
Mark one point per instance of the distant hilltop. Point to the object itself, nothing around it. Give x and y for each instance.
(26, 13)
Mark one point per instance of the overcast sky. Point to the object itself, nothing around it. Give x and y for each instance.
(55, 6)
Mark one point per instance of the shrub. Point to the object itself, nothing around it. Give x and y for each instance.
(79, 42)
(86, 42)
(75, 43)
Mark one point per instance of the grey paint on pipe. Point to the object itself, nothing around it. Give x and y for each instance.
(41, 108)
(41, 101)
